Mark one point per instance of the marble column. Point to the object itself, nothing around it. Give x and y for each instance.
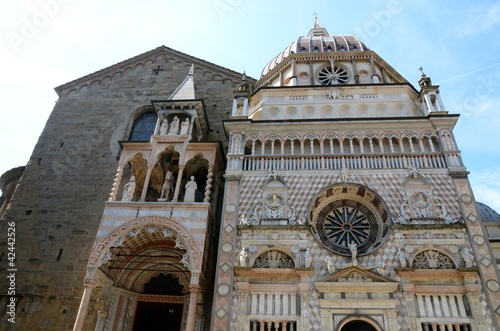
(84, 305)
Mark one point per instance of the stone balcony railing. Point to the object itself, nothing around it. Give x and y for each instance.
(351, 161)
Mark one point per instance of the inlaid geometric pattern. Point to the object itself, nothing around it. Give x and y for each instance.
(302, 189)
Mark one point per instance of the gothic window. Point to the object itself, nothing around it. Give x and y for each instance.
(143, 127)
(253, 145)
(313, 142)
(432, 259)
(370, 142)
(274, 259)
(333, 143)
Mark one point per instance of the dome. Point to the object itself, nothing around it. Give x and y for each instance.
(317, 40)
(487, 213)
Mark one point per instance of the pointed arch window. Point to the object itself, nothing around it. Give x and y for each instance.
(143, 127)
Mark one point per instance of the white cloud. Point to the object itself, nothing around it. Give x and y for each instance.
(477, 20)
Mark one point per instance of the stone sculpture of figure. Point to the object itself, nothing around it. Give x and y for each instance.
(420, 200)
(244, 221)
(345, 174)
(401, 257)
(164, 127)
(354, 249)
(128, 190)
(276, 202)
(174, 127)
(467, 256)
(190, 187)
(167, 187)
(329, 265)
(307, 258)
(185, 127)
(243, 258)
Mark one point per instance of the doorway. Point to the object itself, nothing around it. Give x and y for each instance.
(156, 316)
(358, 326)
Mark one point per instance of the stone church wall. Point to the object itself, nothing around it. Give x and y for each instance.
(60, 199)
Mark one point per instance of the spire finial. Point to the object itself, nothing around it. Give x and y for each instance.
(422, 71)
(316, 24)
(191, 70)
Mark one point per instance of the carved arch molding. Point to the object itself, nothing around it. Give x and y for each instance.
(168, 227)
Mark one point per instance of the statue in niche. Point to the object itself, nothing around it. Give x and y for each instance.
(164, 127)
(168, 186)
(174, 127)
(401, 257)
(128, 190)
(307, 258)
(185, 127)
(190, 187)
(243, 257)
(467, 256)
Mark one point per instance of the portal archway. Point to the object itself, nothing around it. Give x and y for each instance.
(359, 324)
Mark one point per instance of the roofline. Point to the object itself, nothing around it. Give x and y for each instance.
(321, 55)
(141, 57)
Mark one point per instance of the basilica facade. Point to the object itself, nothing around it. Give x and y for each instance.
(170, 193)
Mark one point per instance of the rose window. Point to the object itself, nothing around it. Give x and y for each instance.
(333, 76)
(349, 214)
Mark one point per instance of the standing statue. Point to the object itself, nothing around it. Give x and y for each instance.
(329, 265)
(467, 256)
(167, 187)
(307, 258)
(174, 127)
(164, 127)
(129, 190)
(185, 127)
(243, 258)
(190, 187)
(401, 257)
(354, 249)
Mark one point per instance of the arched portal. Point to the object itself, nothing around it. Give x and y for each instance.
(160, 305)
(138, 259)
(358, 325)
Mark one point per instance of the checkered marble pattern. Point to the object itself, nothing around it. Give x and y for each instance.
(302, 188)
(488, 319)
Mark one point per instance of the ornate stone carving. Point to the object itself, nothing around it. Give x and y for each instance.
(184, 239)
(274, 259)
(432, 259)
(355, 277)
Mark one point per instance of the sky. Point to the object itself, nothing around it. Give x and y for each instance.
(46, 43)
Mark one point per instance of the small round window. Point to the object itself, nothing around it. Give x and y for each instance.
(338, 75)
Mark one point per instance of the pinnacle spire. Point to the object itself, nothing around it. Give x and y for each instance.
(316, 25)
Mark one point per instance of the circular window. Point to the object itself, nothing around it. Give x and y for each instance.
(338, 75)
(347, 214)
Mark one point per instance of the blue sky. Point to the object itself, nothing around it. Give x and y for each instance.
(46, 43)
